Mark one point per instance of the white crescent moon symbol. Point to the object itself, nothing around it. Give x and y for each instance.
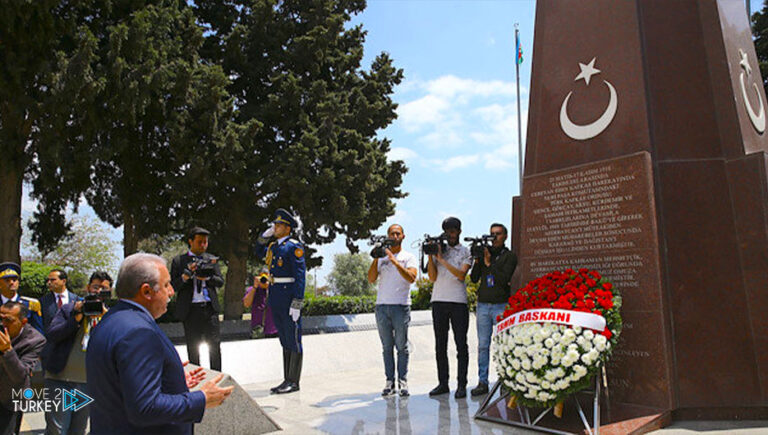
(758, 121)
(584, 132)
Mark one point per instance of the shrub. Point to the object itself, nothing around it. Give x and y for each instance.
(325, 306)
(33, 276)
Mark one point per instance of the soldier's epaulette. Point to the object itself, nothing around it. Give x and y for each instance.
(34, 304)
(294, 241)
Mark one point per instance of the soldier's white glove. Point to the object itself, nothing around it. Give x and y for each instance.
(266, 235)
(295, 310)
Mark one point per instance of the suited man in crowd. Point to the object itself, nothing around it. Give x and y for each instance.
(58, 296)
(20, 347)
(10, 277)
(135, 376)
(68, 335)
(285, 257)
(196, 277)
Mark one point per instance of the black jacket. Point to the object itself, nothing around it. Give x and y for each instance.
(503, 264)
(184, 289)
(17, 363)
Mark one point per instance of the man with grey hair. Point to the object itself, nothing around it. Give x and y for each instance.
(135, 376)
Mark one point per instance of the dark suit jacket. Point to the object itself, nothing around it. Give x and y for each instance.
(184, 289)
(17, 363)
(136, 378)
(49, 307)
(61, 334)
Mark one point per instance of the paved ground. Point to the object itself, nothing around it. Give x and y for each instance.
(341, 384)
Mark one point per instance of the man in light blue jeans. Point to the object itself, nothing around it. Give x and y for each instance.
(493, 267)
(396, 270)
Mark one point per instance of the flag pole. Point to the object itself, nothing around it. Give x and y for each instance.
(519, 123)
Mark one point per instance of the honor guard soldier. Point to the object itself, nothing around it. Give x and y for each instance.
(285, 258)
(10, 274)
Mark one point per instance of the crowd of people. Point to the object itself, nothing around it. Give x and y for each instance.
(396, 270)
(125, 362)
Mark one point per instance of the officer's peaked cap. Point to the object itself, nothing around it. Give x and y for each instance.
(282, 216)
(8, 270)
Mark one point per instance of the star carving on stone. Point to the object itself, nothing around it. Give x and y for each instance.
(587, 71)
(745, 62)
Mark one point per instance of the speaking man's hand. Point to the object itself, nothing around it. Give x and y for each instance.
(215, 395)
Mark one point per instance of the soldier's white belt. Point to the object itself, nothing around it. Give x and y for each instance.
(279, 280)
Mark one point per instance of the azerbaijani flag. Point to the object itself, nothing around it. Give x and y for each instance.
(518, 48)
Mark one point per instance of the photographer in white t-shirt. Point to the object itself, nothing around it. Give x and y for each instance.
(396, 270)
(447, 270)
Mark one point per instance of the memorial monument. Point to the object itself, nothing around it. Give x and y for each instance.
(646, 160)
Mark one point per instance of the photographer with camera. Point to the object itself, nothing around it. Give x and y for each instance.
(64, 354)
(262, 323)
(195, 276)
(494, 266)
(396, 271)
(447, 269)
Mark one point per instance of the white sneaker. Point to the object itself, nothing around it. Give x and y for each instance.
(389, 389)
(403, 387)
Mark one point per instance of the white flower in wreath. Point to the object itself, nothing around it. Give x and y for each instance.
(516, 364)
(557, 336)
(546, 385)
(588, 334)
(550, 375)
(577, 329)
(543, 396)
(531, 378)
(526, 363)
(518, 351)
(549, 342)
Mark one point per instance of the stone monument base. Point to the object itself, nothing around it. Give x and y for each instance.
(239, 414)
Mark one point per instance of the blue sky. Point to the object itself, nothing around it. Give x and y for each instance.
(457, 115)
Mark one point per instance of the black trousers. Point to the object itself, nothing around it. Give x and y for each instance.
(202, 325)
(10, 421)
(446, 315)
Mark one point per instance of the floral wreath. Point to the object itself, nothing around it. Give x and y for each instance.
(554, 336)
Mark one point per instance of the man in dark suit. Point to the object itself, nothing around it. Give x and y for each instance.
(63, 357)
(57, 297)
(20, 347)
(196, 277)
(135, 376)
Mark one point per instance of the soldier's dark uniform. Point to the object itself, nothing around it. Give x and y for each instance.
(35, 315)
(285, 259)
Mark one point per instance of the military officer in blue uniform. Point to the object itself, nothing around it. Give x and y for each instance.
(285, 258)
(10, 274)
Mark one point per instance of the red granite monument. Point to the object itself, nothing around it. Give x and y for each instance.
(646, 160)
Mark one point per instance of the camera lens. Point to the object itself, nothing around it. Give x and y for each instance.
(263, 280)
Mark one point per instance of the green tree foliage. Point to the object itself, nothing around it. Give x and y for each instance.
(158, 100)
(760, 33)
(33, 277)
(46, 86)
(349, 276)
(304, 133)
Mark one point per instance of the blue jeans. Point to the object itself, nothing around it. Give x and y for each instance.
(392, 322)
(486, 318)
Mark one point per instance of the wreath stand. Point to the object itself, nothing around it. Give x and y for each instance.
(492, 409)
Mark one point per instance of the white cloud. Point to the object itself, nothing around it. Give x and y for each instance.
(402, 153)
(426, 110)
(450, 86)
(456, 162)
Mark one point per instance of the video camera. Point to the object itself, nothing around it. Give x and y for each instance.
(432, 245)
(380, 243)
(477, 249)
(93, 304)
(206, 267)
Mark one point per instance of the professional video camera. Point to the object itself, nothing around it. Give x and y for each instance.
(380, 243)
(431, 245)
(93, 304)
(206, 267)
(477, 249)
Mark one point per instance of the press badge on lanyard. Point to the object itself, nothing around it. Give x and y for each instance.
(489, 281)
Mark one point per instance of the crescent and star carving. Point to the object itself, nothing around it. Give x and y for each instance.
(758, 120)
(588, 131)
